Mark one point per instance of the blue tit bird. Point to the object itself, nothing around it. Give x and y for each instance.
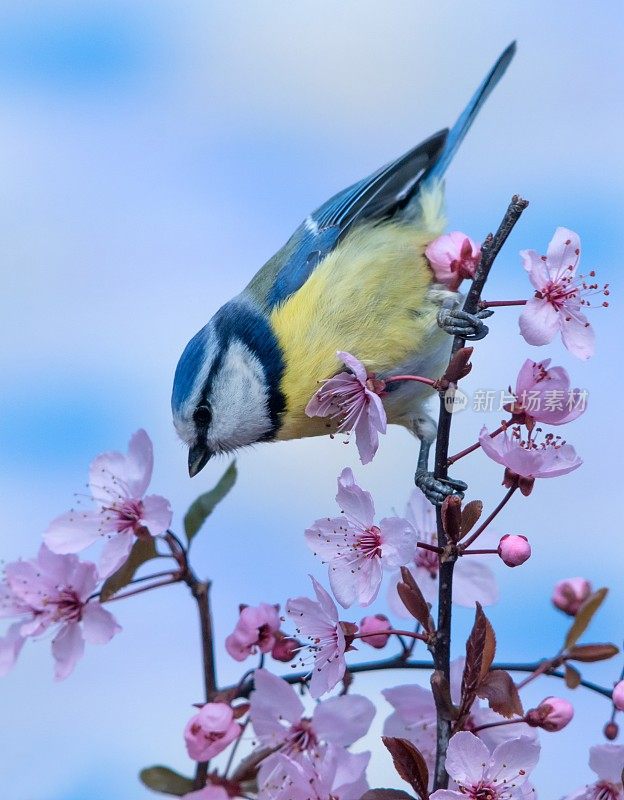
(352, 277)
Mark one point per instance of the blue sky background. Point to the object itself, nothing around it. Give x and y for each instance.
(153, 155)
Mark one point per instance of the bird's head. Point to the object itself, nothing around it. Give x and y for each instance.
(226, 390)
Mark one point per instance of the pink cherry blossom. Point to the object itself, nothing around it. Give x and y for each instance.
(255, 630)
(552, 714)
(117, 484)
(277, 715)
(453, 257)
(318, 622)
(355, 548)
(570, 594)
(210, 731)
(607, 761)
(353, 398)
(473, 581)
(51, 592)
(514, 549)
(559, 296)
(374, 630)
(339, 775)
(527, 458)
(500, 775)
(544, 394)
(414, 717)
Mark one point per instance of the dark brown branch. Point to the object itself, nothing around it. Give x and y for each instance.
(441, 648)
(398, 662)
(201, 592)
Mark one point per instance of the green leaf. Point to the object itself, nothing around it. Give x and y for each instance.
(165, 780)
(143, 550)
(205, 504)
(584, 617)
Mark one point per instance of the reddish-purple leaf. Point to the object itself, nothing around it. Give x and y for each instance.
(459, 365)
(592, 652)
(451, 517)
(470, 516)
(386, 794)
(500, 691)
(409, 762)
(480, 651)
(413, 600)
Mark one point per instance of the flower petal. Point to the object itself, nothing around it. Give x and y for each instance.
(73, 531)
(578, 335)
(607, 761)
(98, 625)
(514, 760)
(398, 542)
(356, 503)
(466, 758)
(10, 647)
(539, 321)
(115, 552)
(343, 720)
(156, 514)
(67, 649)
(354, 364)
(474, 582)
(272, 703)
(563, 253)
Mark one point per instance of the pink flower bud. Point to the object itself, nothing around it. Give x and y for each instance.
(611, 731)
(552, 714)
(255, 630)
(514, 549)
(375, 628)
(618, 696)
(285, 647)
(210, 731)
(570, 594)
(453, 257)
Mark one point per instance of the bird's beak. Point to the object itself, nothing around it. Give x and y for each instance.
(198, 457)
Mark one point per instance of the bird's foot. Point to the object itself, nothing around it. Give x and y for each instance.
(437, 489)
(460, 323)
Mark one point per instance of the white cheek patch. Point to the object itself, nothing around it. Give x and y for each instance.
(239, 401)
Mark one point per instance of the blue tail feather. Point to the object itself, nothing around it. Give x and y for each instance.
(466, 118)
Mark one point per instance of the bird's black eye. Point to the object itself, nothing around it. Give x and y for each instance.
(202, 415)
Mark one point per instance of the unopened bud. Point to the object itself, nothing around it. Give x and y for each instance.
(570, 594)
(514, 549)
(611, 731)
(375, 628)
(285, 648)
(552, 714)
(618, 696)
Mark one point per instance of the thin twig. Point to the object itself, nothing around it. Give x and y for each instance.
(489, 519)
(141, 589)
(201, 592)
(399, 662)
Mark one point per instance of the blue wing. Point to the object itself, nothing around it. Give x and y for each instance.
(377, 197)
(380, 196)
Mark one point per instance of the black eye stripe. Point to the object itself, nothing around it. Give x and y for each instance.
(202, 415)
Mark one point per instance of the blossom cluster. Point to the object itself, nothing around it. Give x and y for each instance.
(303, 731)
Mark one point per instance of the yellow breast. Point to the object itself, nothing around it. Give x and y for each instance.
(368, 297)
